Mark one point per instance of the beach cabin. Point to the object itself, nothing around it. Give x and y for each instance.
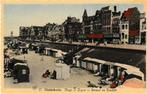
(76, 61)
(96, 65)
(62, 71)
(47, 51)
(19, 69)
(21, 72)
(54, 52)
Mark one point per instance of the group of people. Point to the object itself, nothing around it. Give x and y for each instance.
(8, 55)
(18, 47)
(113, 78)
(48, 74)
(119, 80)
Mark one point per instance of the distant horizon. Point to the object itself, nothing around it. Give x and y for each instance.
(16, 15)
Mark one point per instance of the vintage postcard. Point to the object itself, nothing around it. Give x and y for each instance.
(73, 46)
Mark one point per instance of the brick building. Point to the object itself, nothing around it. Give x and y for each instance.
(132, 16)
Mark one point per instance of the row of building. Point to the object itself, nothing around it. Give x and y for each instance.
(107, 24)
(48, 31)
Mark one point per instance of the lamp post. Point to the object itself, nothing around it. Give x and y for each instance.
(12, 36)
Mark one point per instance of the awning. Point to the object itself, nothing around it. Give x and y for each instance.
(24, 64)
(97, 61)
(47, 48)
(55, 50)
(108, 35)
(133, 33)
(82, 36)
(95, 36)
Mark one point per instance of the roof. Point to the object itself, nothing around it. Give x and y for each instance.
(63, 48)
(129, 69)
(85, 13)
(128, 14)
(17, 61)
(129, 57)
(105, 8)
(97, 12)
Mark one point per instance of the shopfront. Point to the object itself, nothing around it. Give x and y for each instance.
(133, 36)
(108, 38)
(95, 38)
(82, 38)
(116, 38)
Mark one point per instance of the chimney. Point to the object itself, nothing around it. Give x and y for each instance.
(115, 8)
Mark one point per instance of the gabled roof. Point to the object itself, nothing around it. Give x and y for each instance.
(105, 8)
(128, 14)
(85, 13)
(97, 12)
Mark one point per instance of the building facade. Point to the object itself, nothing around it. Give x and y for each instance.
(124, 28)
(132, 15)
(33, 32)
(107, 24)
(24, 32)
(142, 33)
(37, 32)
(49, 31)
(72, 28)
(116, 25)
(103, 26)
(92, 27)
(53, 32)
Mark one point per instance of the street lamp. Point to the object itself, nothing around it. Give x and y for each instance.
(11, 33)
(12, 36)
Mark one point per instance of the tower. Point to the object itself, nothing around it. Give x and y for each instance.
(85, 15)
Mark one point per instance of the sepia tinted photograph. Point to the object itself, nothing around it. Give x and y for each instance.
(74, 46)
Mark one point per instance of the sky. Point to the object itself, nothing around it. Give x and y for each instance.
(16, 15)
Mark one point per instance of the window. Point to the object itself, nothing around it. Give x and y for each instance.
(122, 26)
(108, 29)
(126, 26)
(126, 36)
(122, 35)
(23, 71)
